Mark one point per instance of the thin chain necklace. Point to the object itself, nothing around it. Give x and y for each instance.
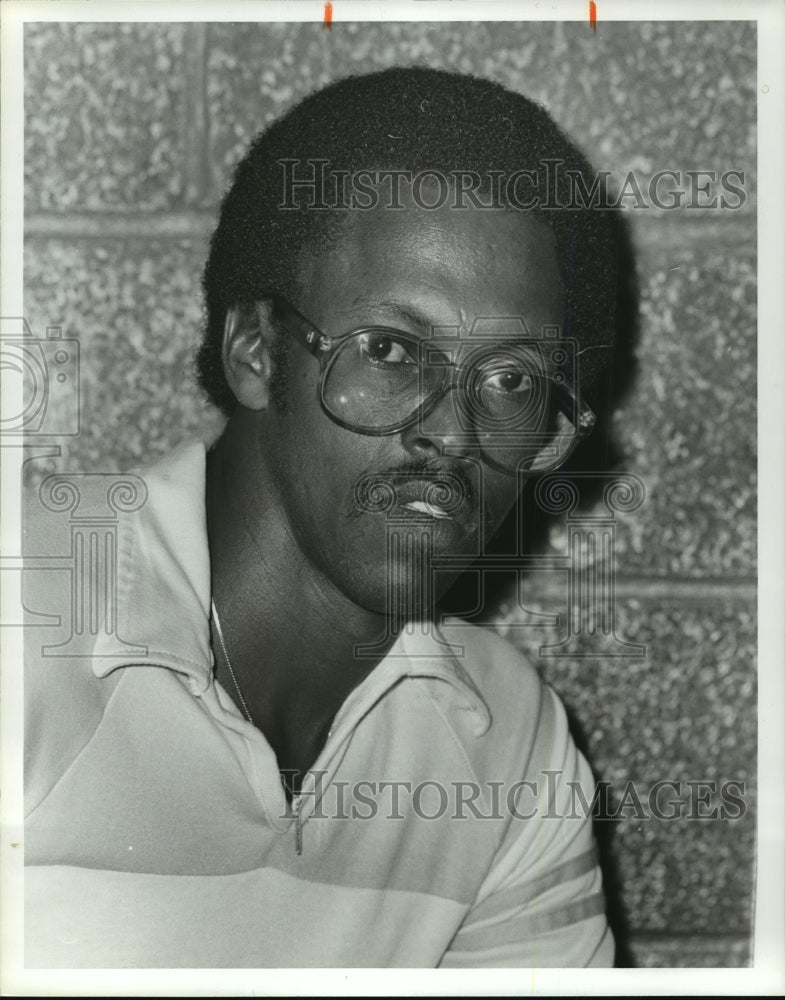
(298, 830)
(219, 630)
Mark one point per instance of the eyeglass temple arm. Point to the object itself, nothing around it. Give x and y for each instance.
(310, 336)
(570, 402)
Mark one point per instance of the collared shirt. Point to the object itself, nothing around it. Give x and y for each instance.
(441, 824)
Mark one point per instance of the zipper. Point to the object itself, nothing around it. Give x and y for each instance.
(297, 801)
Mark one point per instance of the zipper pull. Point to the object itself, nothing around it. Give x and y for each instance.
(298, 830)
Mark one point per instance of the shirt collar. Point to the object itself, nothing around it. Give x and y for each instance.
(163, 595)
(163, 575)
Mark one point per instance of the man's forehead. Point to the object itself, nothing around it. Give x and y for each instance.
(410, 260)
(411, 220)
(495, 328)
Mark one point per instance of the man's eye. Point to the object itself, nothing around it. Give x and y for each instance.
(382, 348)
(509, 380)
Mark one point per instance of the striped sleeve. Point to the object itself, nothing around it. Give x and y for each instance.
(541, 904)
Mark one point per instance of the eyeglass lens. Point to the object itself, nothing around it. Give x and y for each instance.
(378, 379)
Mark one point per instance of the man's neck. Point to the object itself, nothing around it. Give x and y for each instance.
(290, 635)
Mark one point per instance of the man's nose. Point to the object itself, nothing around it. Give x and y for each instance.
(442, 431)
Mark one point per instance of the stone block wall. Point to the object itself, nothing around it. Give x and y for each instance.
(132, 132)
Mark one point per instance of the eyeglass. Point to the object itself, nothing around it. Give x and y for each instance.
(514, 400)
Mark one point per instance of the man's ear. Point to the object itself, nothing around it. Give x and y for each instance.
(247, 355)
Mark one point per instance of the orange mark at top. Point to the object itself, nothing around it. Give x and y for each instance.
(328, 16)
(593, 16)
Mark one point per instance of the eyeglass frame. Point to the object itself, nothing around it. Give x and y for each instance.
(324, 348)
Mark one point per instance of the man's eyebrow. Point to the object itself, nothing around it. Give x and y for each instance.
(405, 311)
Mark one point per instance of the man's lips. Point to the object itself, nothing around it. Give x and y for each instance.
(444, 496)
(443, 493)
(421, 507)
(438, 497)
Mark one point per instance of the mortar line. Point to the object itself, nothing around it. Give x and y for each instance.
(196, 223)
(195, 129)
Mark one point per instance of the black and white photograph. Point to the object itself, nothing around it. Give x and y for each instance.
(386, 557)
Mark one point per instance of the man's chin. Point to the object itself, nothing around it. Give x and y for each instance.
(403, 571)
(402, 597)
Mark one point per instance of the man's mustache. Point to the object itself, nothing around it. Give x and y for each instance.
(449, 488)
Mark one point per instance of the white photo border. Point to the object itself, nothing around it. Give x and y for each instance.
(767, 976)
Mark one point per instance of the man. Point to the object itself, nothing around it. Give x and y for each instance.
(273, 753)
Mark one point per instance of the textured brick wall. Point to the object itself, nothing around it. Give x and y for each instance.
(131, 135)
